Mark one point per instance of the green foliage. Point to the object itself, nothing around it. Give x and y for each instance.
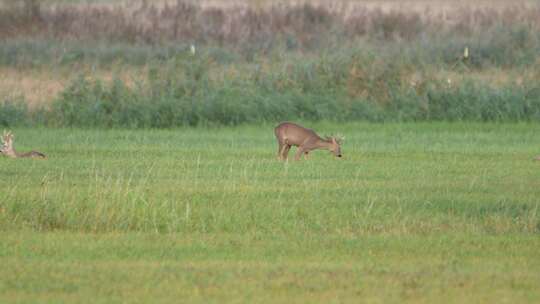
(289, 62)
(339, 87)
(92, 104)
(13, 112)
(474, 102)
(39, 52)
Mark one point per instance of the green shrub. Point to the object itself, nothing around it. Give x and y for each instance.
(93, 104)
(339, 87)
(13, 113)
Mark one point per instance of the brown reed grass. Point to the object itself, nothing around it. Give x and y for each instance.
(242, 22)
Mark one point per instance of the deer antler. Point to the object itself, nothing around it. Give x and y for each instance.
(7, 144)
(5, 140)
(339, 138)
(8, 136)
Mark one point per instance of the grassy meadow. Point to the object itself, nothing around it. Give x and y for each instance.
(412, 213)
(162, 182)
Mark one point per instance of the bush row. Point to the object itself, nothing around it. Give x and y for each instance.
(335, 87)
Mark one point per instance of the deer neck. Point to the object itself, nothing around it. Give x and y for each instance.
(10, 152)
(323, 144)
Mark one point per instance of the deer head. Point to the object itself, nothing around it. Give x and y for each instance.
(7, 144)
(335, 144)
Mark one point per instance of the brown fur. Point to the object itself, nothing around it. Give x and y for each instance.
(289, 134)
(8, 150)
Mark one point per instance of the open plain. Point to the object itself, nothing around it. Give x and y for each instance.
(411, 213)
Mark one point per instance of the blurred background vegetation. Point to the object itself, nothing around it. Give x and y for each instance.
(131, 63)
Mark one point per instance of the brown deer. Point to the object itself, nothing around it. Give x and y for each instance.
(289, 134)
(8, 150)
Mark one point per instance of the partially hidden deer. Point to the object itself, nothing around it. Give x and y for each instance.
(289, 134)
(8, 150)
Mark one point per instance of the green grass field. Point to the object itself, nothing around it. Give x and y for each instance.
(144, 209)
(430, 212)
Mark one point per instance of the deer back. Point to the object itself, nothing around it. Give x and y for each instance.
(294, 134)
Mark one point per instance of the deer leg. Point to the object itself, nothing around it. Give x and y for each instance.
(299, 153)
(280, 151)
(306, 155)
(283, 150)
(286, 149)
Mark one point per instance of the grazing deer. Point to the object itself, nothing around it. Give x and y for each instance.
(8, 150)
(290, 134)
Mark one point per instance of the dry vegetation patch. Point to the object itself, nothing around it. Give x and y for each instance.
(247, 21)
(41, 86)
